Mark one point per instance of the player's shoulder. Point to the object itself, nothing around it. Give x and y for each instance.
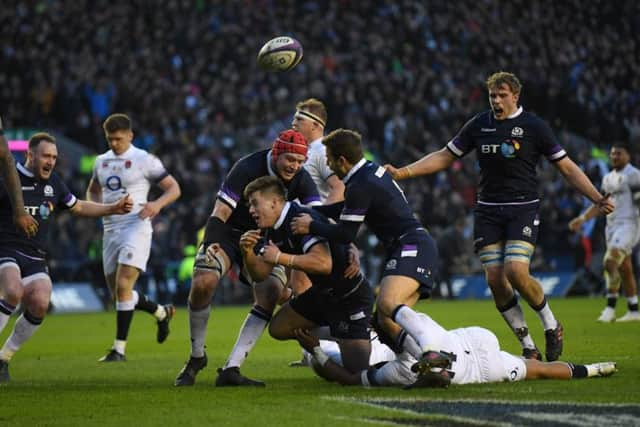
(532, 119)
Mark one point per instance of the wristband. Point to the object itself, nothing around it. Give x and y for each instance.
(215, 230)
(320, 356)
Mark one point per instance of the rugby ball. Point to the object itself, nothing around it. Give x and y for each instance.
(280, 54)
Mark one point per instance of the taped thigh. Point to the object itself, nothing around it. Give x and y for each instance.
(491, 255)
(518, 251)
(618, 256)
(216, 265)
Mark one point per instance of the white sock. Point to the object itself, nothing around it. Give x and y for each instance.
(515, 319)
(6, 310)
(251, 331)
(411, 346)
(160, 313)
(22, 331)
(411, 322)
(630, 301)
(119, 346)
(198, 321)
(546, 316)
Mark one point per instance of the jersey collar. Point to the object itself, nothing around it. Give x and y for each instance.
(24, 171)
(283, 215)
(354, 169)
(515, 113)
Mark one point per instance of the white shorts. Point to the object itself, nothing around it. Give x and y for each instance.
(623, 235)
(493, 364)
(130, 245)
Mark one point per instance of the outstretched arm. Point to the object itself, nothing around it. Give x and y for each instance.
(327, 367)
(93, 209)
(577, 178)
(431, 163)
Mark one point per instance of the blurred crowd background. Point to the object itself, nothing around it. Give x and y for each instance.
(406, 74)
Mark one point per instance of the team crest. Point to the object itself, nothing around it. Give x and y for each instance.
(517, 132)
(48, 191)
(391, 265)
(526, 231)
(105, 164)
(127, 164)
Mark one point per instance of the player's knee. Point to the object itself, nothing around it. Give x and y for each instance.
(494, 277)
(268, 293)
(279, 330)
(13, 293)
(517, 273)
(203, 285)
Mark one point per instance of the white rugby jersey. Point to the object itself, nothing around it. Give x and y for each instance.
(132, 172)
(316, 165)
(621, 184)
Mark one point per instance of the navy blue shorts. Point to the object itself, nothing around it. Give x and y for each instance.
(414, 255)
(29, 263)
(500, 223)
(348, 317)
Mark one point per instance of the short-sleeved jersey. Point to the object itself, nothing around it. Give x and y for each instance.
(132, 172)
(621, 184)
(254, 166)
(41, 199)
(283, 237)
(373, 197)
(508, 152)
(317, 167)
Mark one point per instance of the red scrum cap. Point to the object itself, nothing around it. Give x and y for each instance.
(289, 141)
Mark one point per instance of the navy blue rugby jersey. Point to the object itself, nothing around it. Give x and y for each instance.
(41, 199)
(508, 152)
(283, 237)
(254, 166)
(373, 197)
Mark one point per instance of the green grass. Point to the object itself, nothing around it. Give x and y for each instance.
(56, 380)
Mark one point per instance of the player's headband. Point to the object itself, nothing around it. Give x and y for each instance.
(289, 141)
(310, 116)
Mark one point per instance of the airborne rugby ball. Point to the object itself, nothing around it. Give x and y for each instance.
(280, 54)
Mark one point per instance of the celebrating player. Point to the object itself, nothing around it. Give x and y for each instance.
(127, 239)
(344, 303)
(622, 233)
(509, 143)
(24, 276)
(459, 356)
(229, 219)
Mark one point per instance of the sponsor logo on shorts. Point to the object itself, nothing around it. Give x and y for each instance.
(359, 315)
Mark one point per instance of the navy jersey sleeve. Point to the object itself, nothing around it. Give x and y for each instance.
(331, 211)
(548, 144)
(307, 190)
(234, 183)
(356, 203)
(463, 143)
(65, 198)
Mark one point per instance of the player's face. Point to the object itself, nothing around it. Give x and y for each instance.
(503, 101)
(119, 141)
(263, 209)
(42, 159)
(288, 165)
(303, 125)
(336, 165)
(618, 157)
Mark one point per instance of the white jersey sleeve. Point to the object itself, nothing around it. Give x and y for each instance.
(621, 185)
(316, 165)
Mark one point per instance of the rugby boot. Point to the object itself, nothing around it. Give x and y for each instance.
(553, 343)
(187, 376)
(531, 353)
(631, 316)
(608, 315)
(113, 356)
(163, 325)
(231, 377)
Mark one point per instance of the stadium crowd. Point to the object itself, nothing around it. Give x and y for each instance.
(405, 74)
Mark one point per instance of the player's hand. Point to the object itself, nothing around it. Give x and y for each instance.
(249, 239)
(211, 252)
(393, 171)
(307, 340)
(353, 268)
(149, 210)
(605, 204)
(26, 223)
(301, 224)
(124, 205)
(576, 223)
(270, 253)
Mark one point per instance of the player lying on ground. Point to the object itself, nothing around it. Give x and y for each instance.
(460, 356)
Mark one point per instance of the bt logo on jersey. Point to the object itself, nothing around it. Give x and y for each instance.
(489, 148)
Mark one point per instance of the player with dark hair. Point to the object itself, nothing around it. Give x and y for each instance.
(622, 232)
(343, 303)
(373, 198)
(24, 276)
(220, 248)
(127, 238)
(459, 356)
(25, 222)
(509, 143)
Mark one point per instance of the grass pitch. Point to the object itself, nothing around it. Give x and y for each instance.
(56, 380)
